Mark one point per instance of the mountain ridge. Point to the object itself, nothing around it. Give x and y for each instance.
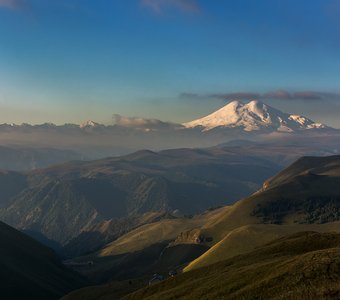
(117, 187)
(304, 196)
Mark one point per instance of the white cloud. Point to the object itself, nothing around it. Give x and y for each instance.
(142, 123)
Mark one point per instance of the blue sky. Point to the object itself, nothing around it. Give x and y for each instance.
(72, 60)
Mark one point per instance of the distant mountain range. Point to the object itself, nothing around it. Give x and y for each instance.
(253, 121)
(252, 116)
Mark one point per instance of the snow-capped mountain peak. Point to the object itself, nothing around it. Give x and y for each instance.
(89, 123)
(253, 116)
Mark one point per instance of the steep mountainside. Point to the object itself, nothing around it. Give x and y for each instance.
(145, 250)
(300, 266)
(62, 201)
(254, 116)
(105, 232)
(305, 196)
(31, 271)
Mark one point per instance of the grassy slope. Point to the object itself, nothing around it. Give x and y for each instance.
(145, 250)
(254, 235)
(104, 232)
(111, 291)
(31, 271)
(301, 184)
(300, 266)
(165, 230)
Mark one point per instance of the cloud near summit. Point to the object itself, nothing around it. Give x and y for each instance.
(143, 123)
(158, 6)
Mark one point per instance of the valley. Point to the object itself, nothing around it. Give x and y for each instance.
(231, 235)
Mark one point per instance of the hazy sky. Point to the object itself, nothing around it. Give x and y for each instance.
(72, 60)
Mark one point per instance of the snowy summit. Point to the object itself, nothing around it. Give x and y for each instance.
(89, 123)
(253, 116)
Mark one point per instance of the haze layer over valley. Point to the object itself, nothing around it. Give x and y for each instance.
(253, 121)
